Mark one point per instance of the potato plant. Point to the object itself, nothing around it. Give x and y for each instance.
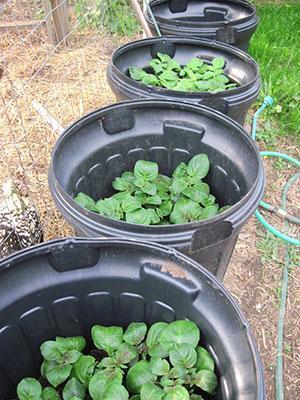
(164, 362)
(146, 197)
(196, 76)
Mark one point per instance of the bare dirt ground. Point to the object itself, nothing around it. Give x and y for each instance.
(71, 82)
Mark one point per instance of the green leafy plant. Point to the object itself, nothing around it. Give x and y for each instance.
(116, 16)
(148, 198)
(196, 76)
(165, 362)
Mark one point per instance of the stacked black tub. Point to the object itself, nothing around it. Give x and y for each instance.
(228, 21)
(239, 67)
(95, 150)
(63, 288)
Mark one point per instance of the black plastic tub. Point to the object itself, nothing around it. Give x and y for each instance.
(240, 68)
(229, 21)
(90, 154)
(63, 288)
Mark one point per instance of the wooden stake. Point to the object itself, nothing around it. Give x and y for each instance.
(141, 17)
(47, 118)
(48, 12)
(60, 19)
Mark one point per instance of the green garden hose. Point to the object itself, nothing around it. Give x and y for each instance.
(268, 101)
(268, 207)
(283, 300)
(289, 241)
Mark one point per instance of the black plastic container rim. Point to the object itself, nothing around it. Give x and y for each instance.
(164, 22)
(45, 248)
(184, 40)
(237, 214)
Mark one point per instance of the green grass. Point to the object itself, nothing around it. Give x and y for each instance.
(276, 47)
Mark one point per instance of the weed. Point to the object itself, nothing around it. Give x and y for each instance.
(268, 247)
(116, 16)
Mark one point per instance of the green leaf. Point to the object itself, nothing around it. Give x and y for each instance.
(138, 375)
(122, 185)
(149, 188)
(140, 217)
(169, 76)
(84, 368)
(180, 332)
(202, 86)
(159, 351)
(209, 200)
(209, 212)
(108, 362)
(222, 78)
(49, 393)
(183, 355)
(115, 391)
(128, 176)
(50, 350)
(164, 57)
(58, 374)
(135, 333)
(70, 357)
(208, 75)
(130, 204)
(154, 333)
(46, 366)
(206, 380)
(107, 338)
(150, 80)
(186, 85)
(169, 79)
(139, 182)
(197, 193)
(150, 391)
(196, 397)
(72, 343)
(137, 73)
(146, 170)
(165, 209)
(218, 62)
(126, 353)
(120, 197)
(110, 208)
(166, 381)
(162, 183)
(101, 380)
(29, 389)
(154, 200)
(178, 372)
(195, 64)
(135, 397)
(74, 389)
(185, 210)
(177, 393)
(156, 65)
(180, 171)
(173, 65)
(156, 349)
(198, 167)
(179, 185)
(159, 366)
(204, 359)
(231, 86)
(86, 201)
